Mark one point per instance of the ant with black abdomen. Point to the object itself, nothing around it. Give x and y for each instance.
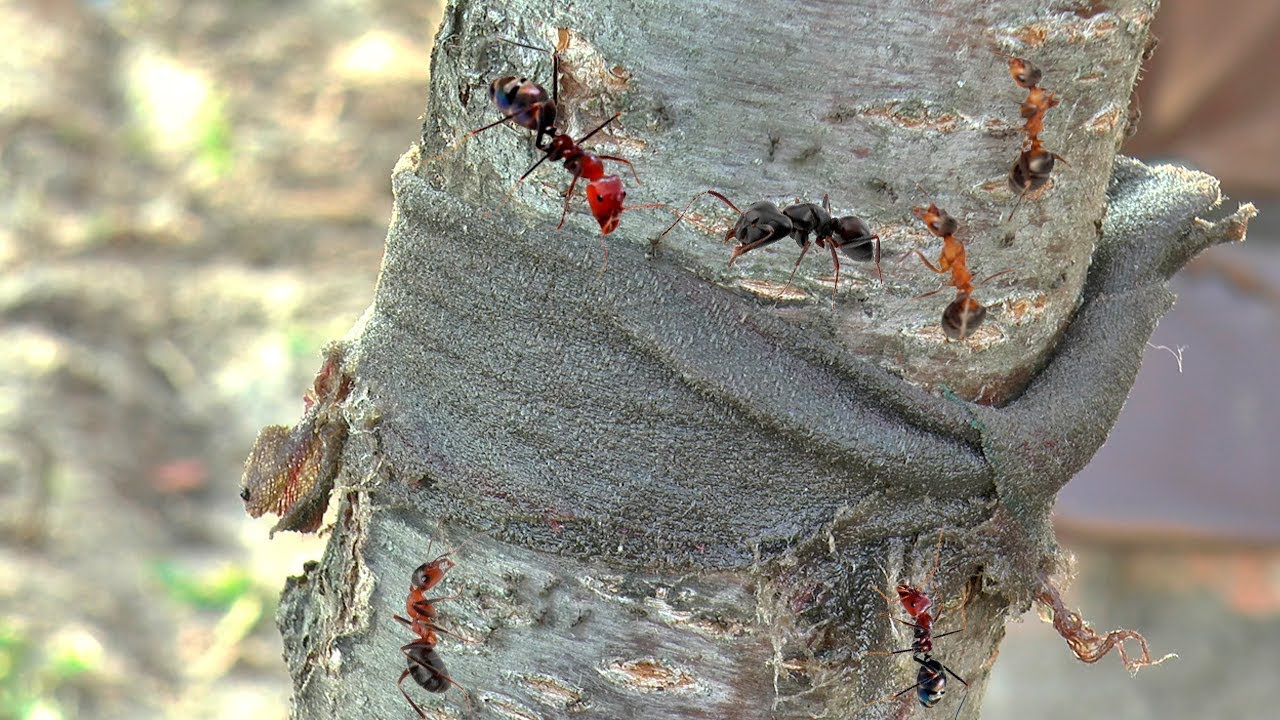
(965, 313)
(426, 667)
(1035, 164)
(931, 679)
(762, 223)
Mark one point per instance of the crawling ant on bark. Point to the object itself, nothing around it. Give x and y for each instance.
(1035, 164)
(963, 316)
(426, 667)
(763, 223)
(931, 679)
(527, 104)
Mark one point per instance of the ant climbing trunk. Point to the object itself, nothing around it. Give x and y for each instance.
(673, 494)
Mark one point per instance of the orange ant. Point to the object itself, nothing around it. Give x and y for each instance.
(426, 667)
(763, 224)
(1035, 164)
(963, 316)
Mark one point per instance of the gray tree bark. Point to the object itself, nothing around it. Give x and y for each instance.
(673, 495)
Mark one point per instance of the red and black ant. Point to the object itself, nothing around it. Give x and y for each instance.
(763, 223)
(964, 314)
(931, 680)
(426, 667)
(1035, 164)
(528, 105)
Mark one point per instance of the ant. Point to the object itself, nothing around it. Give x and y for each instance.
(763, 223)
(963, 316)
(931, 680)
(426, 667)
(528, 105)
(1035, 164)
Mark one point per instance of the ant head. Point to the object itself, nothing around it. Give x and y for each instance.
(605, 196)
(763, 223)
(937, 220)
(1024, 73)
(962, 317)
(430, 573)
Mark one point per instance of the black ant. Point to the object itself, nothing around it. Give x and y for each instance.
(763, 223)
(426, 667)
(1035, 164)
(528, 105)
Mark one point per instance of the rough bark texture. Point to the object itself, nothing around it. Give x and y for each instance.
(674, 496)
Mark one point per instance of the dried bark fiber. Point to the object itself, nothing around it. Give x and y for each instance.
(673, 496)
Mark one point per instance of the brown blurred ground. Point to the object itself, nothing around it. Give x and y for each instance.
(192, 201)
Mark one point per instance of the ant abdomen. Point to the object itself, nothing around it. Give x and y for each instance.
(1032, 171)
(962, 317)
(426, 667)
(854, 238)
(525, 101)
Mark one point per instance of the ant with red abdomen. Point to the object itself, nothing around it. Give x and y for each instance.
(426, 667)
(1035, 164)
(762, 223)
(964, 314)
(528, 105)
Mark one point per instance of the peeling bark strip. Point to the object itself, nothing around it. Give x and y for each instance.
(1085, 642)
(291, 471)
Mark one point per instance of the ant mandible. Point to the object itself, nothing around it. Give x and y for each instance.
(963, 316)
(426, 667)
(763, 223)
(1034, 164)
(528, 105)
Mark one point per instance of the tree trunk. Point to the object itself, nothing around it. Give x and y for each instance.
(673, 494)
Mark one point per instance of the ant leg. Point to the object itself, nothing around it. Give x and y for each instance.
(894, 696)
(622, 160)
(931, 292)
(681, 215)
(515, 187)
(928, 264)
(597, 129)
(458, 143)
(836, 262)
(937, 557)
(993, 275)
(434, 671)
(412, 704)
(803, 249)
(567, 197)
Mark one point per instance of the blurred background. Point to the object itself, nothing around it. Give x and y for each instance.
(193, 198)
